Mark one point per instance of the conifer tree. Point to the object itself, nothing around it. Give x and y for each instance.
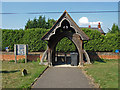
(35, 23)
(114, 29)
(39, 23)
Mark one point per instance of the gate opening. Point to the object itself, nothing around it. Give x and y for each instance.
(62, 52)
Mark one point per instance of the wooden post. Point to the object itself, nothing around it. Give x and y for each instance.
(51, 57)
(65, 58)
(25, 53)
(48, 56)
(81, 53)
(57, 55)
(15, 52)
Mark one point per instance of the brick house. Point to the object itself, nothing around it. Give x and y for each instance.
(96, 28)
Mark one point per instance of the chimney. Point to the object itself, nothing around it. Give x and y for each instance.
(99, 26)
(89, 26)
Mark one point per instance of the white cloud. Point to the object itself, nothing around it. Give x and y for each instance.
(85, 21)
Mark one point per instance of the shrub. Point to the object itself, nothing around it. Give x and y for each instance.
(38, 59)
(32, 37)
(21, 61)
(65, 45)
(12, 61)
(98, 42)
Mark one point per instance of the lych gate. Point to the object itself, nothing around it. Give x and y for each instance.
(65, 27)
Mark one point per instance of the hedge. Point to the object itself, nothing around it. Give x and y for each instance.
(65, 45)
(31, 37)
(97, 42)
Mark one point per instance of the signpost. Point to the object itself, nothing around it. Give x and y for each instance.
(20, 49)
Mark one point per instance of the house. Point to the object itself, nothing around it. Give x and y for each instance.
(96, 28)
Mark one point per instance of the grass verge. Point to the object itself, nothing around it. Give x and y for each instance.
(12, 75)
(104, 73)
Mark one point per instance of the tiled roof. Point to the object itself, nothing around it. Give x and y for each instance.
(94, 28)
(65, 15)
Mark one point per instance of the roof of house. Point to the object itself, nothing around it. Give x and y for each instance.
(57, 24)
(95, 28)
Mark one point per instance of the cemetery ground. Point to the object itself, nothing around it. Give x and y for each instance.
(104, 73)
(12, 74)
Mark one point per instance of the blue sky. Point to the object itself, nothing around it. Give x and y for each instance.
(17, 21)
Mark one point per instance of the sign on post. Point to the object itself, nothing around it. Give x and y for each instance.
(20, 49)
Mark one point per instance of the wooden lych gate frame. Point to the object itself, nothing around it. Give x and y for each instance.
(65, 27)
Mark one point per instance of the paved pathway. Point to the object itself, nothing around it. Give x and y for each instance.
(62, 77)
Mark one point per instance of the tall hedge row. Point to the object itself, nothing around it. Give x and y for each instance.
(97, 42)
(65, 45)
(31, 37)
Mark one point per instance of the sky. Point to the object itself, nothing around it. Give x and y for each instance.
(17, 21)
(60, 0)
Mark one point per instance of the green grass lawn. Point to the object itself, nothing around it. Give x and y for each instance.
(104, 73)
(12, 76)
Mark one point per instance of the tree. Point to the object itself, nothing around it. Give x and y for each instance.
(43, 22)
(35, 23)
(114, 29)
(39, 23)
(29, 24)
(50, 23)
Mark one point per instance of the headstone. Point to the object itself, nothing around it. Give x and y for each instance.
(24, 72)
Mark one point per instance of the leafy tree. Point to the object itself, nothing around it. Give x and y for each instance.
(35, 23)
(29, 24)
(50, 22)
(97, 42)
(39, 23)
(114, 29)
(65, 45)
(43, 22)
(118, 41)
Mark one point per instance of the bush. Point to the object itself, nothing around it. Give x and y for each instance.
(32, 37)
(11, 37)
(38, 59)
(12, 61)
(21, 61)
(98, 42)
(65, 45)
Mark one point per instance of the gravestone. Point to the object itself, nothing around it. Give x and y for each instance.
(24, 72)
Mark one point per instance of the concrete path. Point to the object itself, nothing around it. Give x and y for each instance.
(63, 77)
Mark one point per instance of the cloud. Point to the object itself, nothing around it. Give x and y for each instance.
(85, 21)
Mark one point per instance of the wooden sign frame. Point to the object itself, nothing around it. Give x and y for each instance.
(20, 49)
